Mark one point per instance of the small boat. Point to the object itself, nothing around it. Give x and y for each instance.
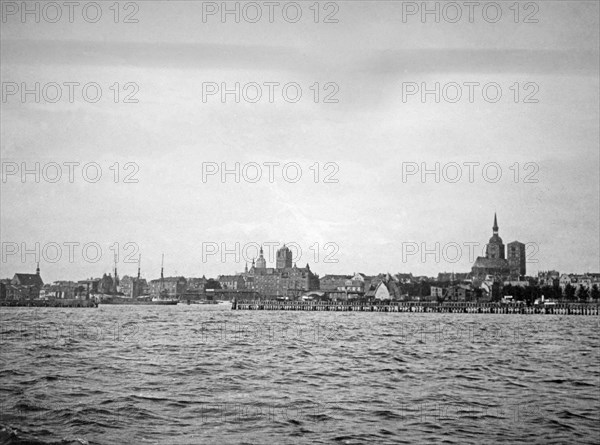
(161, 300)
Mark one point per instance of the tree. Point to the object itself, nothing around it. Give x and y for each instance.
(595, 293)
(558, 293)
(582, 294)
(569, 292)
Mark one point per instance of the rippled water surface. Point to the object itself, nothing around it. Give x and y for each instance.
(194, 374)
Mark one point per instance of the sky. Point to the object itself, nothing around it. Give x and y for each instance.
(369, 134)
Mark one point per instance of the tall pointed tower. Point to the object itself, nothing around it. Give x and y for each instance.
(495, 247)
(261, 263)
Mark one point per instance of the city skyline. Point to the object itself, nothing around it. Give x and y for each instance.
(366, 141)
(270, 254)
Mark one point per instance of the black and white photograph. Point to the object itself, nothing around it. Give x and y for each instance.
(299, 222)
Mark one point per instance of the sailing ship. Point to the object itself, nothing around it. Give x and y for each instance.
(163, 295)
(139, 300)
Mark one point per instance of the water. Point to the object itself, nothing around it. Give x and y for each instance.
(196, 374)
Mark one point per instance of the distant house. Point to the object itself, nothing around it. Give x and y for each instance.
(26, 285)
(548, 278)
(232, 282)
(437, 291)
(60, 290)
(379, 292)
(446, 277)
(196, 284)
(333, 282)
(382, 292)
(404, 278)
(133, 287)
(171, 287)
(459, 292)
(566, 279)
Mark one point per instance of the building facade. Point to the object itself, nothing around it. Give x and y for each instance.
(25, 286)
(282, 281)
(232, 282)
(169, 287)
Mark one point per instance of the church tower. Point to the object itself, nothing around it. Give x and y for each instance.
(495, 247)
(261, 263)
(284, 258)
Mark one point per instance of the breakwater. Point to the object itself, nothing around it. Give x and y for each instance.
(49, 303)
(418, 306)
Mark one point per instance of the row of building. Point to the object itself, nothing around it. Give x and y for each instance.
(501, 266)
(291, 282)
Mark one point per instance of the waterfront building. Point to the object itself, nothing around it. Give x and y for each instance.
(436, 291)
(233, 282)
(169, 287)
(195, 285)
(459, 292)
(330, 283)
(379, 292)
(374, 289)
(133, 287)
(356, 284)
(106, 284)
(284, 280)
(59, 289)
(25, 285)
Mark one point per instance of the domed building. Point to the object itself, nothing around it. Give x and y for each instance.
(283, 280)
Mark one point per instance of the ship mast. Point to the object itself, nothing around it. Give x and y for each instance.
(162, 264)
(135, 285)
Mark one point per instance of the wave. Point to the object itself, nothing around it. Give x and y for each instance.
(13, 436)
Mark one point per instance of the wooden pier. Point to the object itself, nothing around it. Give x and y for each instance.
(50, 303)
(417, 306)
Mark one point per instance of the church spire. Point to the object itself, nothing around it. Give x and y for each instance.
(495, 228)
